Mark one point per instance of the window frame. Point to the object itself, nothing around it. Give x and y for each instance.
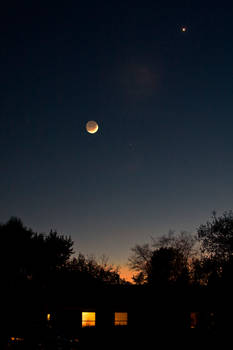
(121, 322)
(88, 323)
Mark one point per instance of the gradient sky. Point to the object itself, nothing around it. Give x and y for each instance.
(163, 156)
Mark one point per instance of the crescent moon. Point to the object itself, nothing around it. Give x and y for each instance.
(92, 127)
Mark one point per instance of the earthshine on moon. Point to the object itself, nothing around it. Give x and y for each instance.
(92, 127)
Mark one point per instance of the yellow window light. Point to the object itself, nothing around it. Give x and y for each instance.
(88, 319)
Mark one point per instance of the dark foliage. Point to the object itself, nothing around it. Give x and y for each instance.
(45, 259)
(168, 267)
(28, 255)
(166, 262)
(216, 242)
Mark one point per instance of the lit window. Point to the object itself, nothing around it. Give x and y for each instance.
(194, 319)
(48, 317)
(88, 319)
(121, 318)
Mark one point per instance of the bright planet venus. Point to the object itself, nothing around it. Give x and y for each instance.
(92, 127)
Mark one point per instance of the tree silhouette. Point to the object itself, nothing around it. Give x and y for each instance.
(46, 259)
(167, 267)
(15, 248)
(140, 261)
(216, 241)
(216, 236)
(168, 260)
(90, 271)
(26, 254)
(183, 242)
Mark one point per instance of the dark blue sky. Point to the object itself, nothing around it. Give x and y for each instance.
(163, 156)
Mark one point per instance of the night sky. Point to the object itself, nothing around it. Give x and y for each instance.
(163, 99)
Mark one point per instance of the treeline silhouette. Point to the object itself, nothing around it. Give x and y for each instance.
(201, 259)
(39, 258)
(174, 275)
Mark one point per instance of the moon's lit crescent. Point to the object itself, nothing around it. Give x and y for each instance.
(92, 127)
